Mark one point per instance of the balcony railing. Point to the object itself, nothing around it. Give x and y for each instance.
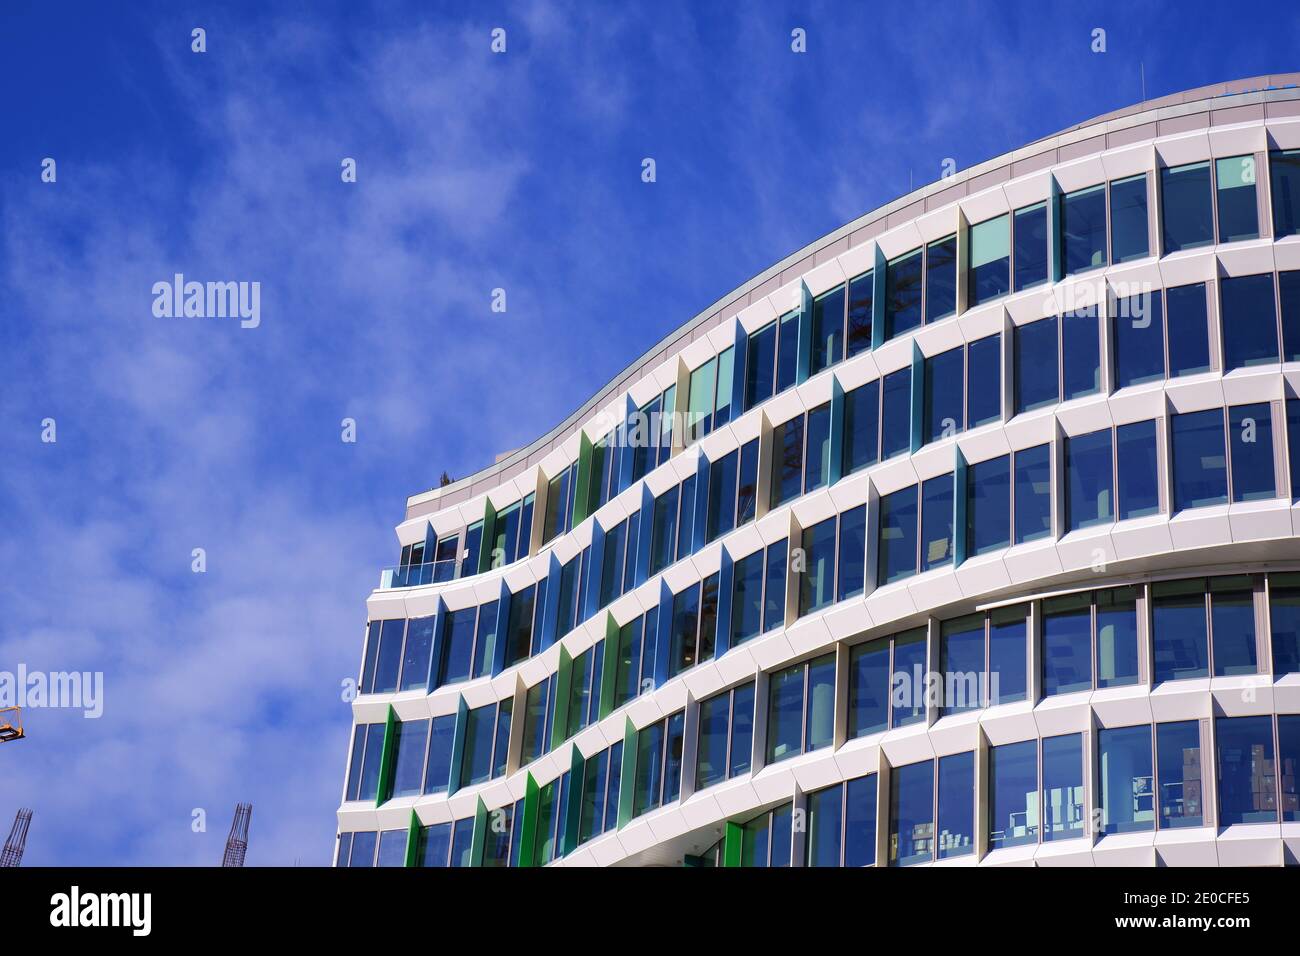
(413, 575)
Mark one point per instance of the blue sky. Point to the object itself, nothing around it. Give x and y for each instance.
(475, 171)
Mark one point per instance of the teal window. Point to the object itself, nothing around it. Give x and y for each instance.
(1235, 193)
(990, 259)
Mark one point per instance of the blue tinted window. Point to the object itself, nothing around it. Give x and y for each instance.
(722, 497)
(787, 461)
(1117, 647)
(686, 625)
(1136, 453)
(1178, 769)
(1189, 337)
(1293, 443)
(1232, 625)
(1247, 782)
(1013, 794)
(861, 426)
(747, 598)
(1249, 321)
(486, 634)
(419, 645)
(817, 582)
(961, 658)
(1178, 630)
(785, 714)
(1031, 246)
(941, 279)
(817, 464)
(860, 822)
(1035, 362)
(852, 563)
(1288, 746)
(1067, 644)
(1007, 655)
(747, 491)
(437, 771)
(1128, 219)
(1088, 480)
(955, 825)
(742, 729)
(663, 535)
(825, 826)
(861, 297)
(1284, 619)
(408, 761)
(868, 688)
(898, 527)
(990, 259)
(1083, 229)
(1250, 434)
(1033, 502)
(1288, 284)
(1139, 340)
(907, 679)
(435, 845)
(936, 522)
(1234, 182)
(984, 381)
(711, 754)
(944, 375)
(760, 366)
(1081, 353)
(649, 768)
(903, 294)
(896, 425)
(1284, 171)
(911, 814)
(479, 736)
(392, 848)
(363, 848)
(1200, 472)
(1062, 787)
(820, 727)
(774, 587)
(1185, 206)
(390, 656)
(827, 330)
(787, 351)
(988, 506)
(1124, 783)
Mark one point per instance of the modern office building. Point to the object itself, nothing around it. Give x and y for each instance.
(966, 535)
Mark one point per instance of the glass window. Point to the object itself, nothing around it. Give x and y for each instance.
(686, 522)
(686, 624)
(898, 528)
(1232, 625)
(990, 259)
(817, 460)
(673, 749)
(860, 822)
(861, 426)
(868, 688)
(1117, 646)
(458, 651)
(1033, 493)
(435, 845)
(1031, 246)
(911, 814)
(760, 366)
(787, 461)
(389, 658)
(1062, 787)
(943, 388)
(1249, 318)
(852, 563)
(483, 639)
(903, 294)
(907, 680)
(392, 848)
(1284, 619)
(1088, 480)
(1008, 648)
(437, 770)
(649, 768)
(787, 352)
(1293, 444)
(1247, 781)
(363, 848)
(411, 744)
(1235, 191)
(825, 826)
(817, 582)
(419, 645)
(519, 633)
(742, 729)
(1189, 338)
(1288, 748)
(896, 420)
(1013, 794)
(1081, 353)
(1250, 429)
(363, 770)
(1185, 206)
(1288, 285)
(956, 811)
(726, 376)
(1200, 465)
(988, 506)
(1125, 785)
(940, 279)
(936, 522)
(984, 381)
(1179, 630)
(785, 714)
(747, 598)
(1139, 340)
(479, 735)
(747, 492)
(861, 299)
(703, 385)
(663, 533)
(1178, 765)
(774, 587)
(722, 496)
(1137, 460)
(1083, 229)
(1128, 219)
(1284, 170)
(1067, 644)
(827, 330)
(819, 729)
(961, 656)
(1035, 357)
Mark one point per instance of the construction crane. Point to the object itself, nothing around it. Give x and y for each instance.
(11, 724)
(12, 854)
(237, 842)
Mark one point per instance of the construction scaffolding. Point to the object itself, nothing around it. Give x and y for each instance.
(12, 854)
